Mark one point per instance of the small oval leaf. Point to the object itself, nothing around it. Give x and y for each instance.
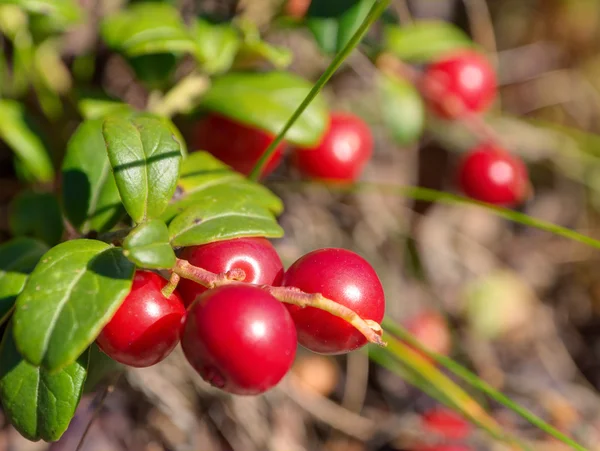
(424, 41)
(148, 246)
(266, 101)
(90, 197)
(36, 215)
(402, 109)
(69, 297)
(38, 404)
(17, 132)
(215, 46)
(18, 257)
(145, 159)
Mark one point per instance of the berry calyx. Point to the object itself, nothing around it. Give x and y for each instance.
(431, 330)
(460, 83)
(255, 256)
(240, 339)
(147, 325)
(237, 145)
(342, 154)
(490, 174)
(345, 278)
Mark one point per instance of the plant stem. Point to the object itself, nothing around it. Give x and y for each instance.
(169, 288)
(370, 329)
(337, 61)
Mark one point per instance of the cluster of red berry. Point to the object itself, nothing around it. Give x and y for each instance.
(238, 336)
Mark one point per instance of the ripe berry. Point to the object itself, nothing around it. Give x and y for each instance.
(343, 277)
(446, 423)
(343, 152)
(490, 174)
(256, 256)
(237, 145)
(462, 82)
(146, 327)
(240, 339)
(431, 330)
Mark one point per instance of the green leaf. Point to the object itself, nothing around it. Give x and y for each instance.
(37, 215)
(253, 50)
(424, 41)
(215, 220)
(100, 367)
(266, 101)
(16, 131)
(155, 70)
(402, 109)
(90, 197)
(18, 257)
(40, 405)
(146, 28)
(215, 45)
(148, 246)
(145, 158)
(204, 176)
(167, 123)
(101, 106)
(70, 296)
(334, 23)
(63, 12)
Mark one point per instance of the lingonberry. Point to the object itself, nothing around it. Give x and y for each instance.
(237, 145)
(239, 338)
(431, 330)
(343, 277)
(492, 175)
(446, 423)
(342, 153)
(147, 325)
(256, 256)
(460, 83)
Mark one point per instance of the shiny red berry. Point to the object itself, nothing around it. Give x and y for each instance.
(256, 256)
(446, 423)
(146, 327)
(237, 145)
(343, 277)
(490, 174)
(343, 152)
(240, 339)
(431, 330)
(460, 83)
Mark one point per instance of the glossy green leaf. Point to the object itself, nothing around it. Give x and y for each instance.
(148, 246)
(100, 107)
(145, 158)
(36, 215)
(90, 197)
(334, 23)
(69, 297)
(215, 45)
(63, 12)
(167, 123)
(215, 220)
(18, 257)
(424, 40)
(402, 109)
(100, 368)
(40, 405)
(17, 132)
(266, 101)
(146, 28)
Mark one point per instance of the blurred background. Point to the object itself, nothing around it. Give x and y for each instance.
(519, 306)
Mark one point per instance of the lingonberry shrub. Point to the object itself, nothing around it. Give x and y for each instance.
(240, 339)
(347, 278)
(256, 256)
(147, 325)
(343, 152)
(236, 144)
(459, 83)
(490, 174)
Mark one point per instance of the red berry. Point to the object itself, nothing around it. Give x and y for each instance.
(343, 277)
(490, 174)
(256, 256)
(240, 339)
(431, 330)
(146, 327)
(296, 8)
(237, 145)
(460, 83)
(446, 423)
(343, 152)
